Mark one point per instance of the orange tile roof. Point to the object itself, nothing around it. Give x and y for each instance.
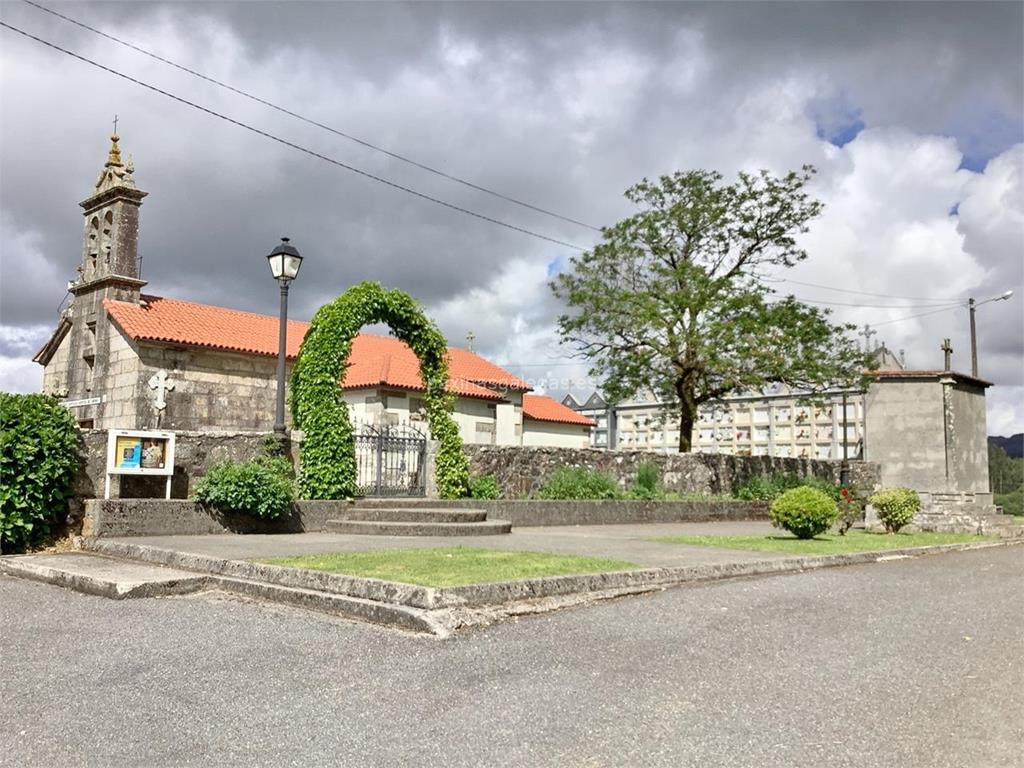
(543, 408)
(375, 360)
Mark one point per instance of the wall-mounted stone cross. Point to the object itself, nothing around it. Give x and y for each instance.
(162, 384)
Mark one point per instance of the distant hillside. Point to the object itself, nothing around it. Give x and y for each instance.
(1013, 445)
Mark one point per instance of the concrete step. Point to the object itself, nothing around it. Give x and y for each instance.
(378, 528)
(413, 515)
(120, 579)
(407, 503)
(104, 576)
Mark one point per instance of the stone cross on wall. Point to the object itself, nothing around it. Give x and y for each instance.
(162, 384)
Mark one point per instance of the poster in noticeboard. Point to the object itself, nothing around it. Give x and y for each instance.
(128, 453)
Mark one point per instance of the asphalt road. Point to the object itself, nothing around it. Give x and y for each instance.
(904, 663)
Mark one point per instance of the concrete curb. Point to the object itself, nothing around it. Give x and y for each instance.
(441, 611)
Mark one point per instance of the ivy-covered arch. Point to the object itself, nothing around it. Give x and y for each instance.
(328, 462)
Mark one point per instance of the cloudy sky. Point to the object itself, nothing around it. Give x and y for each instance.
(912, 112)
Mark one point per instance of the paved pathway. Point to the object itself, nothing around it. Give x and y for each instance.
(905, 663)
(620, 542)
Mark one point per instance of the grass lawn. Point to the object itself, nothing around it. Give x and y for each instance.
(828, 544)
(452, 566)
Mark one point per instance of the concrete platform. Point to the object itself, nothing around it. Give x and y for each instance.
(618, 542)
(103, 576)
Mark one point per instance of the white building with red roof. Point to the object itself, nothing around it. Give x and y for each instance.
(120, 358)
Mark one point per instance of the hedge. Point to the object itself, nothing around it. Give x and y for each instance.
(38, 459)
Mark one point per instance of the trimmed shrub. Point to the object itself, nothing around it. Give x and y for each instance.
(647, 483)
(484, 487)
(262, 487)
(579, 483)
(895, 507)
(805, 512)
(38, 458)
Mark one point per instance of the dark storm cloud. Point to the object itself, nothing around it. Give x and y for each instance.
(560, 104)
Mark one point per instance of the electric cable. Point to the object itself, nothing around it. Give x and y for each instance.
(293, 145)
(310, 121)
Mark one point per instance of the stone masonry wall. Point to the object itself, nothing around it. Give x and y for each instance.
(521, 471)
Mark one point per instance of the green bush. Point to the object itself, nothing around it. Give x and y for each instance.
(805, 512)
(770, 487)
(1012, 503)
(895, 507)
(568, 483)
(647, 483)
(484, 487)
(262, 487)
(38, 458)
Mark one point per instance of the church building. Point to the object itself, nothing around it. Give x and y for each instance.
(122, 358)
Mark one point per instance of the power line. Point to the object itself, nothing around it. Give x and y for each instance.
(802, 300)
(299, 147)
(864, 293)
(310, 121)
(911, 317)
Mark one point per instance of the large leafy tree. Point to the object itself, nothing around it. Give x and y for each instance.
(673, 299)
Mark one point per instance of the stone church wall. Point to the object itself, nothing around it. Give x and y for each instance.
(212, 390)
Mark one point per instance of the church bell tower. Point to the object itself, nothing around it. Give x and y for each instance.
(110, 246)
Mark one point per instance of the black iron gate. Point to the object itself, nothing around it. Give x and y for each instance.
(391, 460)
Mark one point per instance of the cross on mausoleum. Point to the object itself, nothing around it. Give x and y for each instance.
(948, 350)
(162, 384)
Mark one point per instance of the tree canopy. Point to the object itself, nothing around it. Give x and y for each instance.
(674, 299)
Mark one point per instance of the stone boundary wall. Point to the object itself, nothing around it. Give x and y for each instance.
(159, 517)
(520, 471)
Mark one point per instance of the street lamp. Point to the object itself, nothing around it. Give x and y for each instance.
(972, 305)
(284, 266)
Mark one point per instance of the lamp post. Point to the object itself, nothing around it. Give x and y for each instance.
(972, 306)
(284, 265)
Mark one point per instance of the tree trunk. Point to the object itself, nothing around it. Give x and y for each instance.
(687, 415)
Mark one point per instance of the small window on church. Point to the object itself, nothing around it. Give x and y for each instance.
(86, 424)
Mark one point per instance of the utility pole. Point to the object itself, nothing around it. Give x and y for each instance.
(972, 306)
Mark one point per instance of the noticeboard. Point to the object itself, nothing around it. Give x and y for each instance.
(139, 452)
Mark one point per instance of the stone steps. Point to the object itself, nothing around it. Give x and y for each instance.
(395, 514)
(419, 528)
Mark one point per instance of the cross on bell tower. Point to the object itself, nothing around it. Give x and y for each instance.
(947, 350)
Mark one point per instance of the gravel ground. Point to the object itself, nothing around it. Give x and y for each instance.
(904, 663)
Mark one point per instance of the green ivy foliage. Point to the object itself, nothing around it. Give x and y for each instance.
(261, 487)
(805, 512)
(38, 458)
(328, 460)
(896, 507)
